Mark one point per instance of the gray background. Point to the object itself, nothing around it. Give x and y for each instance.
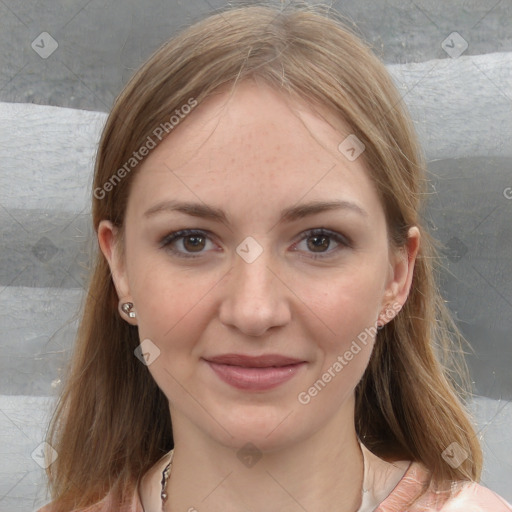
(45, 246)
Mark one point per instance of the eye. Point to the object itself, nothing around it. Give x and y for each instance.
(319, 240)
(192, 243)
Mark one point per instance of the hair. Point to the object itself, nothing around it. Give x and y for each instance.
(112, 422)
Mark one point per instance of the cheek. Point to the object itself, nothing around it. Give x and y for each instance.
(167, 298)
(168, 305)
(349, 307)
(349, 304)
(350, 310)
(173, 313)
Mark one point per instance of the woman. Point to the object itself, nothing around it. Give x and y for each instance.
(265, 282)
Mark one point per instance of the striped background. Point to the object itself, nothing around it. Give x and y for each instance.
(51, 114)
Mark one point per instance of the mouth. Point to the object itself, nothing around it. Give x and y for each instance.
(255, 373)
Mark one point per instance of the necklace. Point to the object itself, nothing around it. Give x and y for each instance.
(166, 473)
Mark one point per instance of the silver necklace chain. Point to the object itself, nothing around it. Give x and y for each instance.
(166, 473)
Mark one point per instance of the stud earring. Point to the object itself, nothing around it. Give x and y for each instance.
(127, 309)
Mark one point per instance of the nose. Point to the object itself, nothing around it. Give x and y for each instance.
(255, 297)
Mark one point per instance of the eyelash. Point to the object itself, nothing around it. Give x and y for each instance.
(182, 234)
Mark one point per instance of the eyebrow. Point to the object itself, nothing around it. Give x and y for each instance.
(287, 215)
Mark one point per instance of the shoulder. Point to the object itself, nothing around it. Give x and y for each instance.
(476, 497)
(46, 508)
(410, 495)
(146, 494)
(105, 505)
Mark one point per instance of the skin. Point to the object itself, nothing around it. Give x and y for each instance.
(252, 155)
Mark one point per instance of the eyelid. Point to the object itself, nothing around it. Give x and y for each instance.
(327, 232)
(183, 233)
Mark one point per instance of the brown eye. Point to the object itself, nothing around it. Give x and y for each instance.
(319, 244)
(194, 243)
(186, 243)
(322, 243)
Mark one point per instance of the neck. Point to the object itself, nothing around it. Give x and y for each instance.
(322, 472)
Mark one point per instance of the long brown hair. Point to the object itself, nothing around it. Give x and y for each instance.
(112, 422)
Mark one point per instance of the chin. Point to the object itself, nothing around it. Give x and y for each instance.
(267, 427)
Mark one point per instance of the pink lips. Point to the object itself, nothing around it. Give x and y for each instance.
(255, 373)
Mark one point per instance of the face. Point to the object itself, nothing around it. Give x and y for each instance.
(257, 293)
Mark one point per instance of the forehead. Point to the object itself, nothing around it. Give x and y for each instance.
(253, 142)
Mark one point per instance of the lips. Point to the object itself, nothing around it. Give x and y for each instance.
(255, 373)
(263, 361)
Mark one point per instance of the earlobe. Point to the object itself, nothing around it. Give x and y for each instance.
(401, 275)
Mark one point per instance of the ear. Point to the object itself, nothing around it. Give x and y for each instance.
(110, 245)
(400, 276)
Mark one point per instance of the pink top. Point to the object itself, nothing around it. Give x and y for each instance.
(387, 487)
